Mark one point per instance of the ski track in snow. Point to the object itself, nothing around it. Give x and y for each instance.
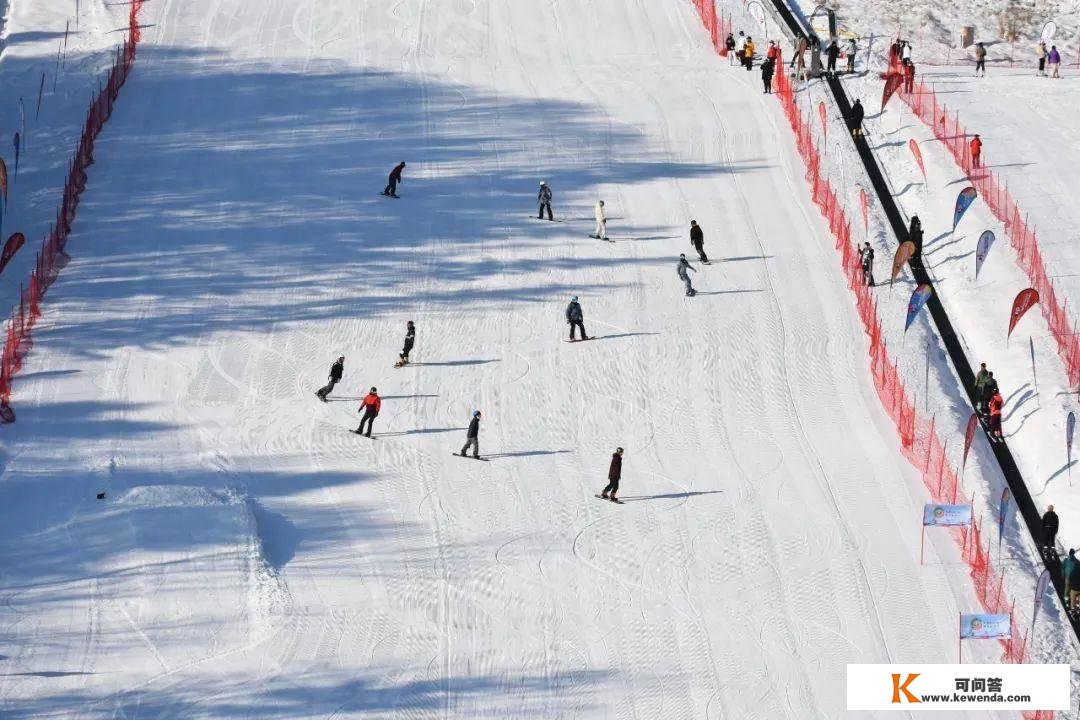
(232, 245)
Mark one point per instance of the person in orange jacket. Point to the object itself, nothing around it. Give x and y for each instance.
(773, 51)
(909, 77)
(976, 152)
(995, 405)
(748, 54)
(370, 406)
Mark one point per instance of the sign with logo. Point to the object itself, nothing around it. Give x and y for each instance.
(955, 687)
(946, 515)
(985, 626)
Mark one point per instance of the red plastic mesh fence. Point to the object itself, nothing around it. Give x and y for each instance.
(49, 260)
(919, 438)
(923, 102)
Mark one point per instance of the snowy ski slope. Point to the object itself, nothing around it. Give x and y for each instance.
(255, 559)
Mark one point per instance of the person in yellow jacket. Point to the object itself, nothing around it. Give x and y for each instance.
(748, 54)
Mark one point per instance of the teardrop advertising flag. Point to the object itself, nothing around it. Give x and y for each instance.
(1040, 592)
(3, 178)
(10, 248)
(969, 435)
(963, 202)
(824, 120)
(1003, 507)
(918, 299)
(863, 203)
(1070, 427)
(1048, 31)
(892, 84)
(914, 146)
(982, 249)
(1025, 299)
(903, 254)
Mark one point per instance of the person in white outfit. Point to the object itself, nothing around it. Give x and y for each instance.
(601, 221)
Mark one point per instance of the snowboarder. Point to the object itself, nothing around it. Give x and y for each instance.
(1041, 54)
(1054, 58)
(544, 200)
(730, 45)
(1050, 529)
(856, 118)
(410, 339)
(980, 59)
(909, 77)
(851, 50)
(767, 74)
(601, 221)
(980, 386)
(395, 178)
(683, 266)
(976, 152)
(336, 370)
(995, 405)
(748, 54)
(575, 318)
(866, 253)
(832, 53)
(370, 406)
(915, 235)
(614, 474)
(472, 437)
(697, 240)
(1068, 569)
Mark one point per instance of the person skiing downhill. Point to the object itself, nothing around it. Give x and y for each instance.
(544, 200)
(472, 437)
(866, 253)
(601, 221)
(980, 59)
(410, 339)
(851, 50)
(681, 269)
(370, 406)
(614, 474)
(697, 240)
(336, 371)
(395, 178)
(575, 318)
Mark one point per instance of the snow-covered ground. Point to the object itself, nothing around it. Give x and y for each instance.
(255, 559)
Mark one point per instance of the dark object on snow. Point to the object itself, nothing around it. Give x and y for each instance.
(101, 496)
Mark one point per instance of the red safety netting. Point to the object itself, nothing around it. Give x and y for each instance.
(717, 25)
(923, 101)
(50, 259)
(919, 438)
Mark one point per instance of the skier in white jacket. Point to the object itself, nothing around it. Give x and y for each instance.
(601, 222)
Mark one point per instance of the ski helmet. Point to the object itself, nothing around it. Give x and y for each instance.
(374, 390)
(573, 299)
(682, 256)
(476, 413)
(542, 183)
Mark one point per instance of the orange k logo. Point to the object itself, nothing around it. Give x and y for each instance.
(898, 688)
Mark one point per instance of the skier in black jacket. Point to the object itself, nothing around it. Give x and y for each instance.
(472, 437)
(1050, 528)
(336, 370)
(856, 118)
(915, 235)
(614, 474)
(867, 254)
(410, 338)
(697, 239)
(767, 69)
(575, 318)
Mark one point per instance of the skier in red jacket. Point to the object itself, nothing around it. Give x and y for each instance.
(909, 77)
(976, 152)
(995, 405)
(370, 406)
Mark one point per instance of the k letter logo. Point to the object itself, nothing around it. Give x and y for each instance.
(898, 688)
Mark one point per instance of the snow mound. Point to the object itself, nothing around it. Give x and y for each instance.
(161, 496)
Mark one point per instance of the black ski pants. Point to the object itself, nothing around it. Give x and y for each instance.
(574, 326)
(612, 487)
(325, 389)
(700, 247)
(391, 187)
(544, 206)
(369, 418)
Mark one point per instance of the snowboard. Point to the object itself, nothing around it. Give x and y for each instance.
(616, 501)
(597, 237)
(369, 437)
(320, 397)
(692, 293)
(470, 457)
(568, 340)
(533, 217)
(396, 197)
(400, 364)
